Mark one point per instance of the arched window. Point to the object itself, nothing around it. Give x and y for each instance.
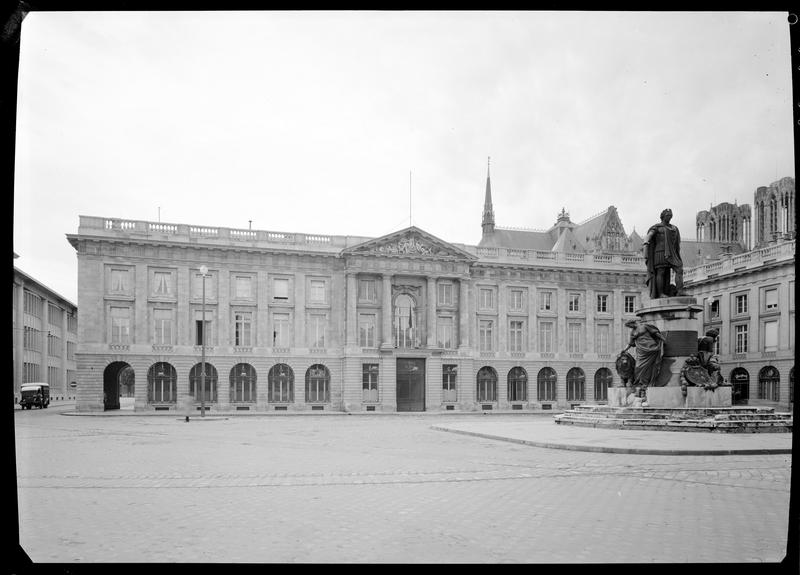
(773, 215)
(740, 386)
(576, 384)
(487, 384)
(546, 384)
(517, 385)
(768, 384)
(603, 378)
(161, 383)
(405, 321)
(317, 380)
(243, 383)
(791, 385)
(281, 384)
(210, 389)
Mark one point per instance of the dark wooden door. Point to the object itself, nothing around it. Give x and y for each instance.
(410, 384)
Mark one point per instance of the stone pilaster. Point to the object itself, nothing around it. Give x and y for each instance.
(351, 321)
(463, 313)
(386, 314)
(431, 309)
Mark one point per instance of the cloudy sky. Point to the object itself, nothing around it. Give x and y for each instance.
(359, 123)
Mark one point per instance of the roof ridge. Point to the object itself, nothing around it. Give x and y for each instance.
(520, 229)
(592, 217)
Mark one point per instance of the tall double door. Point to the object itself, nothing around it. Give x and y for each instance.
(410, 384)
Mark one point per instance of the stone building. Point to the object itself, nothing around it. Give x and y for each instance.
(405, 322)
(725, 223)
(749, 299)
(45, 337)
(775, 212)
(525, 320)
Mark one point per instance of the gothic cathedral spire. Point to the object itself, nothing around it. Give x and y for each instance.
(487, 223)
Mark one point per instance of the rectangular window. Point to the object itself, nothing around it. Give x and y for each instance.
(770, 336)
(203, 328)
(32, 339)
(714, 308)
(162, 328)
(366, 330)
(771, 299)
(280, 330)
(243, 287)
(445, 292)
(72, 323)
(33, 304)
(120, 325)
(317, 289)
(449, 382)
(546, 301)
(574, 302)
(367, 290)
(516, 299)
(316, 330)
(545, 337)
(162, 283)
(53, 345)
(486, 298)
(280, 288)
(198, 286)
(444, 332)
(630, 303)
(55, 315)
(52, 375)
(740, 344)
(243, 329)
(516, 329)
(71, 350)
(574, 337)
(485, 335)
(602, 303)
(602, 338)
(741, 304)
(119, 281)
(369, 382)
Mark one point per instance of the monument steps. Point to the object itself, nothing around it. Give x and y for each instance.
(740, 419)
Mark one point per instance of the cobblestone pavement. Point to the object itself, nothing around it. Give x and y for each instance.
(376, 490)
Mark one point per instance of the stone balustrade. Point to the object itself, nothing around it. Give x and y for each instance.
(134, 229)
(508, 255)
(752, 259)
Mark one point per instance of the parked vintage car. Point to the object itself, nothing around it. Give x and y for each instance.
(34, 395)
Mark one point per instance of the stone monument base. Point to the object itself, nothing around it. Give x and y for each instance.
(665, 397)
(699, 397)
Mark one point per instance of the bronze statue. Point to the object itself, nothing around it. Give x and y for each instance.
(649, 343)
(662, 254)
(702, 369)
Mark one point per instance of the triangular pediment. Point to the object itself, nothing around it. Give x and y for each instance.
(410, 242)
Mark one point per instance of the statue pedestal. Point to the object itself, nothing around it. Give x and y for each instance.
(618, 396)
(676, 318)
(670, 396)
(699, 397)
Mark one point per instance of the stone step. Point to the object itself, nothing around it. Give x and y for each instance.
(738, 409)
(706, 424)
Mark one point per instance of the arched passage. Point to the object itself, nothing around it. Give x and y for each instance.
(112, 381)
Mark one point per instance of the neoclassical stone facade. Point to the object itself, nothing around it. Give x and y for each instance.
(405, 322)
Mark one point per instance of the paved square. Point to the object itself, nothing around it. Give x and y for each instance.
(376, 488)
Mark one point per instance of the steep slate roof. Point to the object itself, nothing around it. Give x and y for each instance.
(709, 251)
(518, 240)
(568, 243)
(636, 241)
(592, 227)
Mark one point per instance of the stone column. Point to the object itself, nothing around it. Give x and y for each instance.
(463, 313)
(386, 313)
(351, 321)
(431, 307)
(300, 311)
(502, 323)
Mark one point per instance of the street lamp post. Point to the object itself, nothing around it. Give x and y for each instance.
(203, 272)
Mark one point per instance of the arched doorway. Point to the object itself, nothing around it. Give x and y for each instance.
(112, 382)
(487, 384)
(740, 386)
(603, 379)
